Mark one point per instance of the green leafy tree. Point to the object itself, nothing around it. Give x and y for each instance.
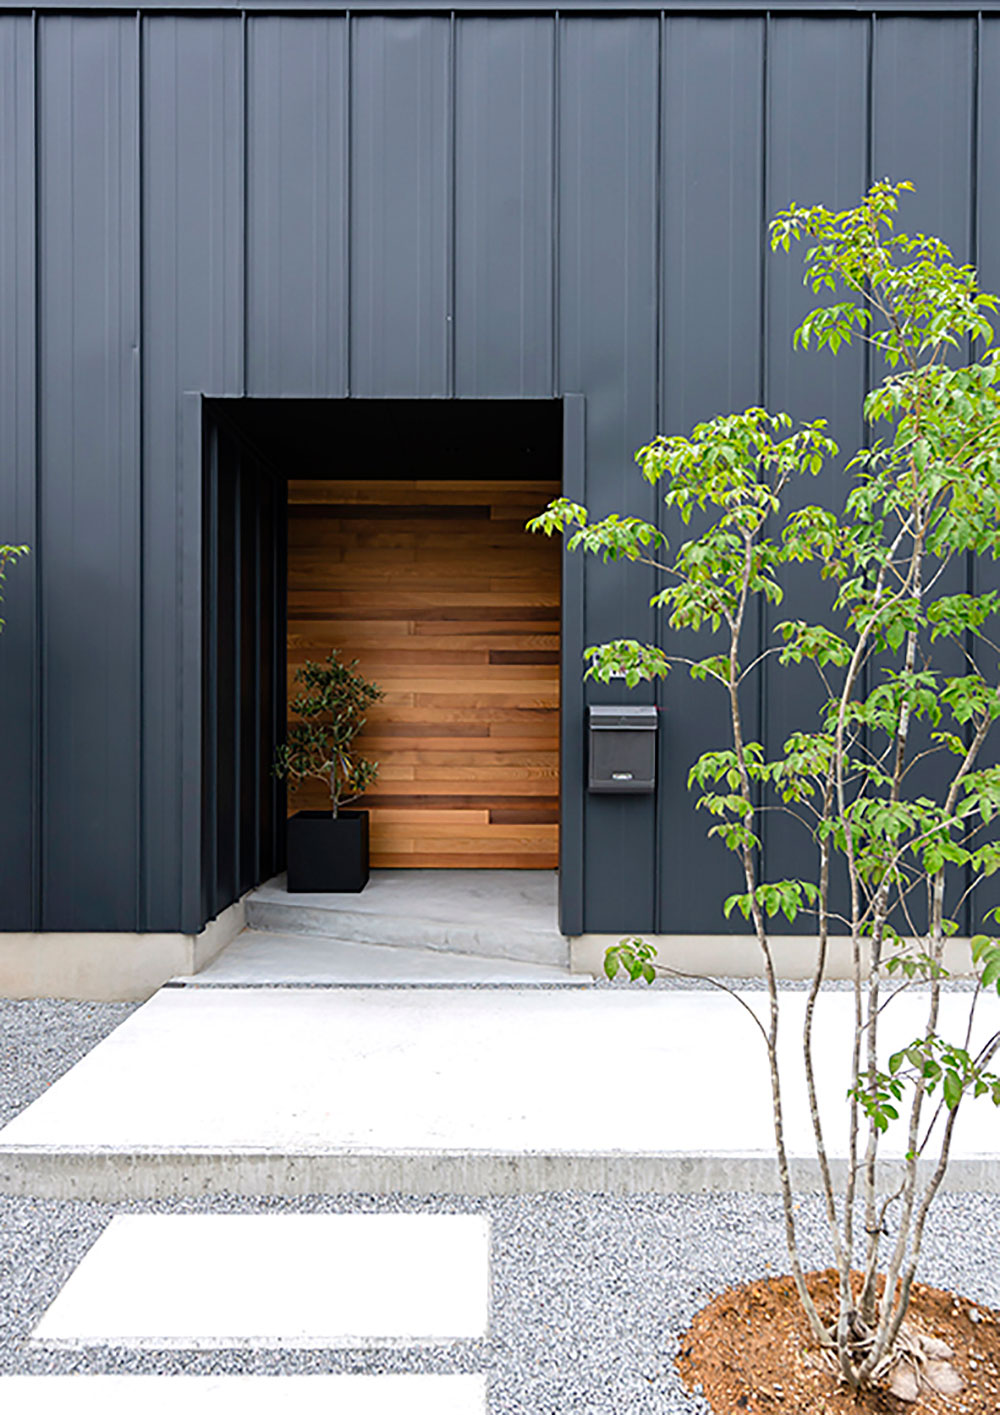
(9, 555)
(924, 495)
(331, 712)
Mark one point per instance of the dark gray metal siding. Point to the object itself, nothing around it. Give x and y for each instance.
(402, 205)
(297, 238)
(504, 222)
(19, 815)
(713, 164)
(820, 68)
(193, 341)
(88, 461)
(606, 329)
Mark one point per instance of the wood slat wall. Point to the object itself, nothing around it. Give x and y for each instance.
(453, 608)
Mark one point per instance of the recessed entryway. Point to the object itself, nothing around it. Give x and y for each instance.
(394, 532)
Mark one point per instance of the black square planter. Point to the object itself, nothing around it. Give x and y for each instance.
(327, 856)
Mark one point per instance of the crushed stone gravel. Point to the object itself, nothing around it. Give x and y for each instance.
(590, 1293)
(41, 1039)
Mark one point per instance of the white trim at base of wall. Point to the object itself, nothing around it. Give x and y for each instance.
(738, 956)
(109, 967)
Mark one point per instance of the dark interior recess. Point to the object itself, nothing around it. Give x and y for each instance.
(243, 666)
(424, 438)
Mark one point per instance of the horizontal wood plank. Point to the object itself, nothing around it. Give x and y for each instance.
(452, 607)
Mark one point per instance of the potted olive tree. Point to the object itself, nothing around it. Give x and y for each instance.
(328, 850)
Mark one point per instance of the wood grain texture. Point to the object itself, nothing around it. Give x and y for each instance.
(453, 609)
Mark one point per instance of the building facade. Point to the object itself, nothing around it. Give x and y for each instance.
(221, 225)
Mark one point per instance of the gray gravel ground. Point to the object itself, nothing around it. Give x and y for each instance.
(40, 1040)
(590, 1292)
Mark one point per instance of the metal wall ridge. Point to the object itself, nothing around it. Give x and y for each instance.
(485, 8)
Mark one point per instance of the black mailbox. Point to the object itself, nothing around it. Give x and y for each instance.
(622, 749)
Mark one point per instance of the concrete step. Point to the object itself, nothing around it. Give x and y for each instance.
(257, 958)
(508, 914)
(459, 1091)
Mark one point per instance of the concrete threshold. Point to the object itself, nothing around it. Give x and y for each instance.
(498, 914)
(263, 959)
(453, 1091)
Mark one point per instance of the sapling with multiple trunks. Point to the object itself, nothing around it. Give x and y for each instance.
(923, 499)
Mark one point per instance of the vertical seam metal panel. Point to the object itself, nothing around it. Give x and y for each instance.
(660, 687)
(244, 205)
(191, 660)
(762, 373)
(502, 314)
(19, 491)
(452, 200)
(89, 399)
(193, 316)
(967, 927)
(295, 206)
(39, 664)
(141, 901)
(571, 724)
(39, 703)
(710, 232)
(400, 177)
(348, 200)
(556, 208)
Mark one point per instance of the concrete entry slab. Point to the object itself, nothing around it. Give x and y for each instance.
(261, 959)
(421, 1090)
(491, 913)
(247, 1395)
(205, 1281)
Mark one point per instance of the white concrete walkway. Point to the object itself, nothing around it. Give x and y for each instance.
(426, 1090)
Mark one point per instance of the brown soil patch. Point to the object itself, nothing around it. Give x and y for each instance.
(751, 1353)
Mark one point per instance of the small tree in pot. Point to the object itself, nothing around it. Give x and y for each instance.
(328, 851)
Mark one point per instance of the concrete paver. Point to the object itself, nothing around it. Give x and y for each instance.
(267, 1280)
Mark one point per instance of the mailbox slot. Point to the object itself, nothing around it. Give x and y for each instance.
(622, 749)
